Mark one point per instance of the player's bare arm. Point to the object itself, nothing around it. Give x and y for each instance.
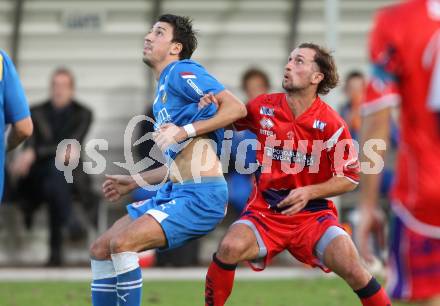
(116, 186)
(19, 132)
(298, 197)
(374, 126)
(230, 109)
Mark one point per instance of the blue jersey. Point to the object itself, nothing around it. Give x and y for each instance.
(13, 102)
(181, 85)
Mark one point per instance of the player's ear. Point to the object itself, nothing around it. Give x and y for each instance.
(317, 77)
(176, 48)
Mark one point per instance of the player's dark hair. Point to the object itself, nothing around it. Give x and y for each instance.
(65, 71)
(353, 75)
(326, 65)
(182, 33)
(252, 73)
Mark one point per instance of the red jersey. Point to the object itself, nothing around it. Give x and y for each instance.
(296, 152)
(405, 54)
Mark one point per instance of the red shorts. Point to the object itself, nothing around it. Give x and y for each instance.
(414, 264)
(298, 233)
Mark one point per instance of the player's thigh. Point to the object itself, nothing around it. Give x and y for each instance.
(342, 258)
(239, 244)
(100, 248)
(144, 233)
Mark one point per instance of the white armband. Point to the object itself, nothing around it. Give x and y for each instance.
(190, 130)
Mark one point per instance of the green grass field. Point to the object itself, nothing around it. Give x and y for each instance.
(328, 292)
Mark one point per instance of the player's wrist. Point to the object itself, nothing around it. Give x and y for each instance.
(190, 130)
(132, 184)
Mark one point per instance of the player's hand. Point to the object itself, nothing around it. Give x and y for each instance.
(116, 186)
(296, 199)
(169, 134)
(22, 164)
(372, 224)
(208, 99)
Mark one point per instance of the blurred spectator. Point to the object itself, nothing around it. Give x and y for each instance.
(61, 117)
(354, 89)
(14, 111)
(254, 82)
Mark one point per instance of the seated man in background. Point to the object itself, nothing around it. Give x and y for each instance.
(61, 117)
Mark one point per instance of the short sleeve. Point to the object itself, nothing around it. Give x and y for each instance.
(382, 89)
(191, 81)
(15, 104)
(342, 153)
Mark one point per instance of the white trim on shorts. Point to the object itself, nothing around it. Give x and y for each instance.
(259, 261)
(427, 230)
(330, 233)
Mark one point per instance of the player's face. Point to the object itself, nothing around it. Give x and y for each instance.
(62, 90)
(158, 45)
(255, 86)
(354, 89)
(301, 70)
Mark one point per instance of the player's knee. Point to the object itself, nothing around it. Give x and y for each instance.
(99, 250)
(232, 250)
(119, 244)
(355, 275)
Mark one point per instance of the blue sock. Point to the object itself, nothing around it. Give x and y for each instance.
(104, 283)
(129, 285)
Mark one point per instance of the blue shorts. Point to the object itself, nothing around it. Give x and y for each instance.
(185, 210)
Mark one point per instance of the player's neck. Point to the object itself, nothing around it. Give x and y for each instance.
(159, 67)
(299, 102)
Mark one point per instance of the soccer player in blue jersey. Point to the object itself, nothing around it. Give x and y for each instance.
(14, 111)
(194, 199)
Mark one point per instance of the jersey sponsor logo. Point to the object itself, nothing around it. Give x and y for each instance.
(290, 135)
(266, 123)
(188, 75)
(292, 156)
(194, 86)
(266, 132)
(318, 124)
(267, 111)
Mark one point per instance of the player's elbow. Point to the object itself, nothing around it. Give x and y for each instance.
(232, 105)
(24, 128)
(241, 111)
(351, 186)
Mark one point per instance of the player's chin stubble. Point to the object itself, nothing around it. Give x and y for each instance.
(288, 87)
(147, 62)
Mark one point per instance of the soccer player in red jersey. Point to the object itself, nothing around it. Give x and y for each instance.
(405, 55)
(306, 155)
